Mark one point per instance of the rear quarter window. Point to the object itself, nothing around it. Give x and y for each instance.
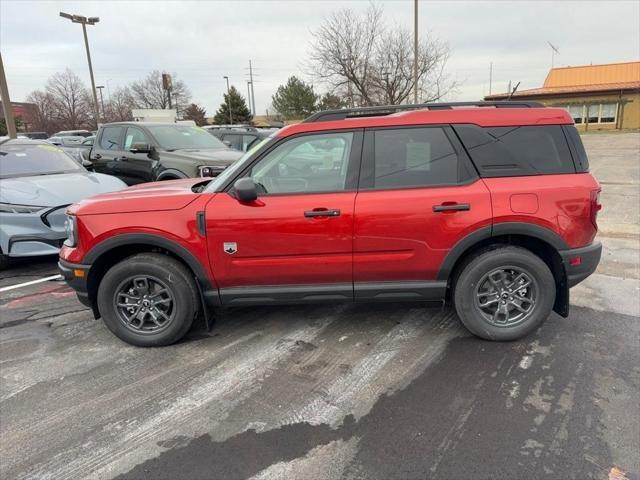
(517, 151)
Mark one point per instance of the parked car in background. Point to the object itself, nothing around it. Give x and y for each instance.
(66, 133)
(39, 181)
(36, 135)
(66, 140)
(490, 207)
(241, 139)
(140, 152)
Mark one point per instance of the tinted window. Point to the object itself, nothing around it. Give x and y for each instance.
(183, 137)
(513, 151)
(235, 141)
(110, 139)
(414, 157)
(247, 141)
(312, 163)
(25, 160)
(582, 159)
(134, 135)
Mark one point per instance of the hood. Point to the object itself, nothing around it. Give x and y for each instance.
(146, 197)
(206, 157)
(58, 189)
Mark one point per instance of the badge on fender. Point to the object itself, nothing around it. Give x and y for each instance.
(230, 247)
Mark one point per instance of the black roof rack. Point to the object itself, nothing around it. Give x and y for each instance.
(381, 110)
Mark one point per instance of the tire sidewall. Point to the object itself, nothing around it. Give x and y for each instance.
(173, 275)
(472, 274)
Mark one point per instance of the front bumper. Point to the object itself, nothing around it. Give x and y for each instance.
(579, 263)
(76, 275)
(33, 234)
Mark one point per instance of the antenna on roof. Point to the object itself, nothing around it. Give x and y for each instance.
(513, 91)
(554, 50)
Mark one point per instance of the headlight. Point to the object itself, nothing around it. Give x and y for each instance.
(71, 229)
(210, 171)
(12, 208)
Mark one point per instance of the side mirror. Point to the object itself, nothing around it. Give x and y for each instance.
(140, 148)
(86, 163)
(227, 143)
(245, 189)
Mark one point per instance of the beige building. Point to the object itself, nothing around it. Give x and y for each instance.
(599, 97)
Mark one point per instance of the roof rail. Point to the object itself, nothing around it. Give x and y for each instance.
(345, 113)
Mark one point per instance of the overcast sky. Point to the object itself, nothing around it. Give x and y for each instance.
(201, 41)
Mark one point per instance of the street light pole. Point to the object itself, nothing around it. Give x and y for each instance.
(100, 87)
(229, 100)
(84, 21)
(6, 103)
(415, 51)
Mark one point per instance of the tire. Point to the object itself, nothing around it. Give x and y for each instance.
(4, 261)
(481, 290)
(162, 317)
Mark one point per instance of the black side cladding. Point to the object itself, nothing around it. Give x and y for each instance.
(517, 151)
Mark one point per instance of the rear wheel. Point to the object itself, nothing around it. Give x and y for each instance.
(504, 294)
(148, 300)
(4, 261)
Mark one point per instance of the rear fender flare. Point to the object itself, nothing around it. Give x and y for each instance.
(499, 229)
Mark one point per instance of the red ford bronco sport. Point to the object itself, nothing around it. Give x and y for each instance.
(489, 205)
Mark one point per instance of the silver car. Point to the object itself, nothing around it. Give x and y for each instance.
(37, 182)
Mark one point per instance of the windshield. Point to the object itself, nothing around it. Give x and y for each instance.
(26, 160)
(184, 137)
(230, 171)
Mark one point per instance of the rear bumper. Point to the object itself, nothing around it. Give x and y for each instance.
(579, 263)
(76, 274)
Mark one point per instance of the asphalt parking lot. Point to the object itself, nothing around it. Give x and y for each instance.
(336, 391)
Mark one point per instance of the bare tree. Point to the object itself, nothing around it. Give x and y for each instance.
(148, 92)
(42, 116)
(368, 63)
(120, 104)
(72, 102)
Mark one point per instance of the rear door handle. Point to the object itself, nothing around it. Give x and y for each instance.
(97, 156)
(322, 212)
(451, 207)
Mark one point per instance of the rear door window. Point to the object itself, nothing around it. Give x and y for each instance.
(413, 157)
(516, 151)
(111, 138)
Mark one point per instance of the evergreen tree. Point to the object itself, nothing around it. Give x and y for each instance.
(295, 99)
(239, 111)
(329, 101)
(196, 113)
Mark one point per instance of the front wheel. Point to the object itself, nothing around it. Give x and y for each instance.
(504, 294)
(148, 300)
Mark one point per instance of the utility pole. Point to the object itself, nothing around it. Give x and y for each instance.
(229, 100)
(6, 103)
(415, 50)
(490, 76)
(253, 97)
(84, 21)
(249, 97)
(100, 87)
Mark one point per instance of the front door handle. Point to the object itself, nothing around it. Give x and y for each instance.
(451, 207)
(322, 212)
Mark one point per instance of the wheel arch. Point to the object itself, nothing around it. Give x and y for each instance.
(171, 174)
(118, 248)
(539, 240)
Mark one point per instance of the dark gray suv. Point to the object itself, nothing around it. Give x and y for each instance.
(138, 152)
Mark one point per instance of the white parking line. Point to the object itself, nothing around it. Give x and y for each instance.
(32, 282)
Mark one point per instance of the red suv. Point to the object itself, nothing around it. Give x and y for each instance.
(490, 206)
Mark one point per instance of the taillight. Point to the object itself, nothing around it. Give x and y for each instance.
(595, 207)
